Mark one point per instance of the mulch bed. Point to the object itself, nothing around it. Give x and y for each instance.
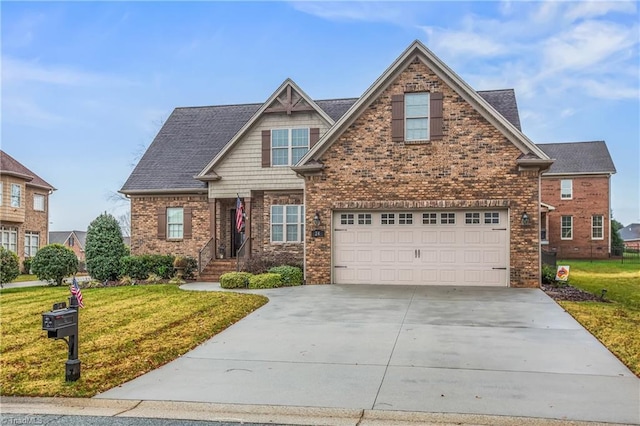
(569, 293)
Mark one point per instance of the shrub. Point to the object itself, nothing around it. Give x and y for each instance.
(235, 279)
(26, 265)
(159, 264)
(104, 248)
(261, 263)
(134, 267)
(9, 265)
(549, 275)
(54, 262)
(191, 268)
(267, 280)
(180, 261)
(291, 275)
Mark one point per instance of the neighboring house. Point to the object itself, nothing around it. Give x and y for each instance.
(630, 234)
(75, 240)
(421, 180)
(24, 208)
(576, 196)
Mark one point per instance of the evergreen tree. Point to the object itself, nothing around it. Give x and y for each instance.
(617, 244)
(104, 248)
(54, 262)
(9, 268)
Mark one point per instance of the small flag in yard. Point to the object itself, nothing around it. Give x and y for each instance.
(239, 215)
(75, 290)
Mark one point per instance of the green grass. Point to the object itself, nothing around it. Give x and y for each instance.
(615, 324)
(124, 333)
(25, 277)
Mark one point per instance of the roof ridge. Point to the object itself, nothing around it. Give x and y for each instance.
(567, 143)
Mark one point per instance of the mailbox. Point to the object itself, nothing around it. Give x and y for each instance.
(60, 323)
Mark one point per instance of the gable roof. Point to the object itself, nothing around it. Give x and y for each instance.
(630, 232)
(60, 237)
(287, 88)
(532, 155)
(198, 134)
(579, 158)
(503, 101)
(12, 167)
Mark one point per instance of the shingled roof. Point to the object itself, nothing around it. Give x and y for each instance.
(60, 237)
(11, 166)
(192, 136)
(579, 157)
(630, 232)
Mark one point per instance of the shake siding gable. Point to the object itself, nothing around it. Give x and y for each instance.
(244, 168)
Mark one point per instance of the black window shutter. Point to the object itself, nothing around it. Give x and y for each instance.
(314, 136)
(266, 148)
(162, 223)
(397, 118)
(435, 107)
(187, 228)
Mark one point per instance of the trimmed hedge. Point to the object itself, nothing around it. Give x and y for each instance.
(235, 279)
(267, 280)
(291, 275)
(140, 267)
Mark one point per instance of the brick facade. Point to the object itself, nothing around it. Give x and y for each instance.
(473, 163)
(590, 198)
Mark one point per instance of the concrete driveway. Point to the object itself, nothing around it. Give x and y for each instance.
(493, 351)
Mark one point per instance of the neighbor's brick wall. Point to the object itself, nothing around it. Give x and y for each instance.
(590, 197)
(473, 161)
(144, 225)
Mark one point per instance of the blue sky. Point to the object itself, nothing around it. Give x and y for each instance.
(86, 85)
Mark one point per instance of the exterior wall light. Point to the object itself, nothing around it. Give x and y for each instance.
(525, 219)
(316, 219)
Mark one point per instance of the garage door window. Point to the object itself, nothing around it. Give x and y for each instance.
(405, 218)
(347, 219)
(429, 218)
(492, 217)
(364, 219)
(388, 219)
(447, 218)
(472, 218)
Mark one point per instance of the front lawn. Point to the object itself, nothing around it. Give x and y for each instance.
(124, 333)
(615, 324)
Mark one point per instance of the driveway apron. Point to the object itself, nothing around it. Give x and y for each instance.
(494, 351)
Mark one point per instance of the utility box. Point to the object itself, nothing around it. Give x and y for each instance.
(60, 323)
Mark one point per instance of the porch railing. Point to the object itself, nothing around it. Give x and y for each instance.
(206, 254)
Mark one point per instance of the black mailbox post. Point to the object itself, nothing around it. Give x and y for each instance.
(62, 323)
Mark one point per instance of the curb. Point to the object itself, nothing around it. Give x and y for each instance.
(309, 416)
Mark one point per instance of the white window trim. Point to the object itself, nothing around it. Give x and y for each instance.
(169, 223)
(569, 195)
(562, 227)
(35, 204)
(299, 224)
(28, 243)
(289, 146)
(9, 231)
(19, 194)
(426, 117)
(601, 227)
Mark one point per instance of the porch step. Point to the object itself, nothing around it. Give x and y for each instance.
(217, 267)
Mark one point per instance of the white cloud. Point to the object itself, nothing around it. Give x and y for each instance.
(26, 112)
(593, 9)
(463, 43)
(356, 11)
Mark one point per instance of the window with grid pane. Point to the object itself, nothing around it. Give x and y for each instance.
(9, 238)
(447, 218)
(405, 218)
(175, 223)
(31, 243)
(429, 218)
(387, 219)
(472, 218)
(287, 223)
(16, 195)
(566, 189)
(416, 116)
(566, 227)
(288, 146)
(347, 219)
(597, 227)
(38, 202)
(492, 217)
(364, 219)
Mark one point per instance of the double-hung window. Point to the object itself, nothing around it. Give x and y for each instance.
(566, 227)
(175, 223)
(566, 189)
(597, 227)
(288, 146)
(31, 243)
(9, 238)
(287, 223)
(416, 116)
(16, 195)
(38, 202)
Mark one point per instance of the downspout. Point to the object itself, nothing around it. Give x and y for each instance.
(610, 213)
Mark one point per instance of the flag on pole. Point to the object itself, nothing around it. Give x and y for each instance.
(75, 290)
(239, 215)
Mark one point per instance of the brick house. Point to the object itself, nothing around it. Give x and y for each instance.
(74, 240)
(24, 208)
(421, 180)
(630, 235)
(576, 196)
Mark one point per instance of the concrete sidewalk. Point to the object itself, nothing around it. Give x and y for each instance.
(396, 349)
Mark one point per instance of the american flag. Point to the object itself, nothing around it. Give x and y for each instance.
(239, 215)
(75, 290)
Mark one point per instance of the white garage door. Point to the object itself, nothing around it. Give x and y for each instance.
(466, 248)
